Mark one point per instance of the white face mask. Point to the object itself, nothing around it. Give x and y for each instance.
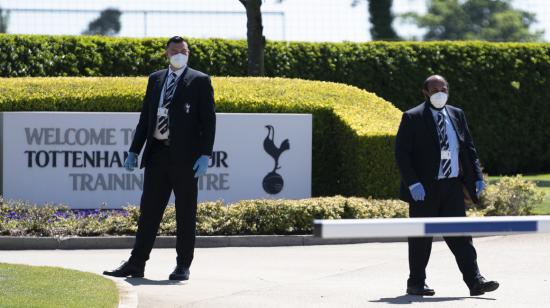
(178, 60)
(439, 99)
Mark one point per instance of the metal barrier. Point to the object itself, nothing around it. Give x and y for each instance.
(427, 227)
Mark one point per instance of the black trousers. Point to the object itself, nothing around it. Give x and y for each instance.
(444, 198)
(164, 174)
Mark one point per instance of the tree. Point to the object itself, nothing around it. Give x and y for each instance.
(489, 20)
(255, 37)
(108, 23)
(4, 19)
(381, 19)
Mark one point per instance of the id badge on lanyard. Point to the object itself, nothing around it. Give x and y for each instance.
(162, 112)
(445, 154)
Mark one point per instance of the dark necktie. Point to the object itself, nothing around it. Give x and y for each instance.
(443, 143)
(168, 95)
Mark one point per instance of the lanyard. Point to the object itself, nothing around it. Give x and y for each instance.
(173, 89)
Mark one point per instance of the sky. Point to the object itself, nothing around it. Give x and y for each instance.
(293, 20)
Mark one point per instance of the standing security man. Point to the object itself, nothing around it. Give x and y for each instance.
(436, 156)
(178, 121)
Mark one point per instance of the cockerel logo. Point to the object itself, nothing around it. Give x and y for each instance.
(273, 182)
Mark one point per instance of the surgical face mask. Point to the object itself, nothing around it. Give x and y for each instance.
(178, 60)
(439, 99)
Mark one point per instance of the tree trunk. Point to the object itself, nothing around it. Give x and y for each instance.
(381, 20)
(4, 21)
(256, 39)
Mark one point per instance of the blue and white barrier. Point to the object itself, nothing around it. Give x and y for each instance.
(426, 227)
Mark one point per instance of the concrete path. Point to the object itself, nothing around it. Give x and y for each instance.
(360, 275)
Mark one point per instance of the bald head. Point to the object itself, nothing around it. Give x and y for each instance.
(434, 84)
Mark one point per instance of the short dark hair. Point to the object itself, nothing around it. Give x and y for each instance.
(175, 39)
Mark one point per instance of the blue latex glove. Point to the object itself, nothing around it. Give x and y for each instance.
(417, 192)
(201, 165)
(480, 186)
(131, 161)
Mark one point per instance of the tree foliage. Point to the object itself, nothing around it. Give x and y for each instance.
(488, 20)
(108, 23)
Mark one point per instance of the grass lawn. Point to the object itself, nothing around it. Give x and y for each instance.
(41, 286)
(543, 182)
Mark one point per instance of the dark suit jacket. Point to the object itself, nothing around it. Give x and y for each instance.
(191, 134)
(418, 153)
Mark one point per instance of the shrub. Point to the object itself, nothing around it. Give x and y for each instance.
(497, 84)
(511, 196)
(213, 218)
(291, 217)
(353, 130)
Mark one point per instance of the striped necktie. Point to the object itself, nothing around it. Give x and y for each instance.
(443, 143)
(168, 95)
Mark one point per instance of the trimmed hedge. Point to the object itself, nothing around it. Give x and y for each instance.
(353, 130)
(501, 86)
(213, 218)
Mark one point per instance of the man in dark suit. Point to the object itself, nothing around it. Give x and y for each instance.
(436, 158)
(178, 124)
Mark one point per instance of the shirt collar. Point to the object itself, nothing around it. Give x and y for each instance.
(435, 111)
(178, 72)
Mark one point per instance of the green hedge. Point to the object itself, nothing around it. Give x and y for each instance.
(503, 87)
(213, 218)
(48, 56)
(353, 130)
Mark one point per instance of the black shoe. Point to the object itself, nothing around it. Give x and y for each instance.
(180, 273)
(125, 270)
(422, 290)
(481, 286)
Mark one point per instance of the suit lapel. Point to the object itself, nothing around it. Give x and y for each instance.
(455, 122)
(430, 123)
(158, 89)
